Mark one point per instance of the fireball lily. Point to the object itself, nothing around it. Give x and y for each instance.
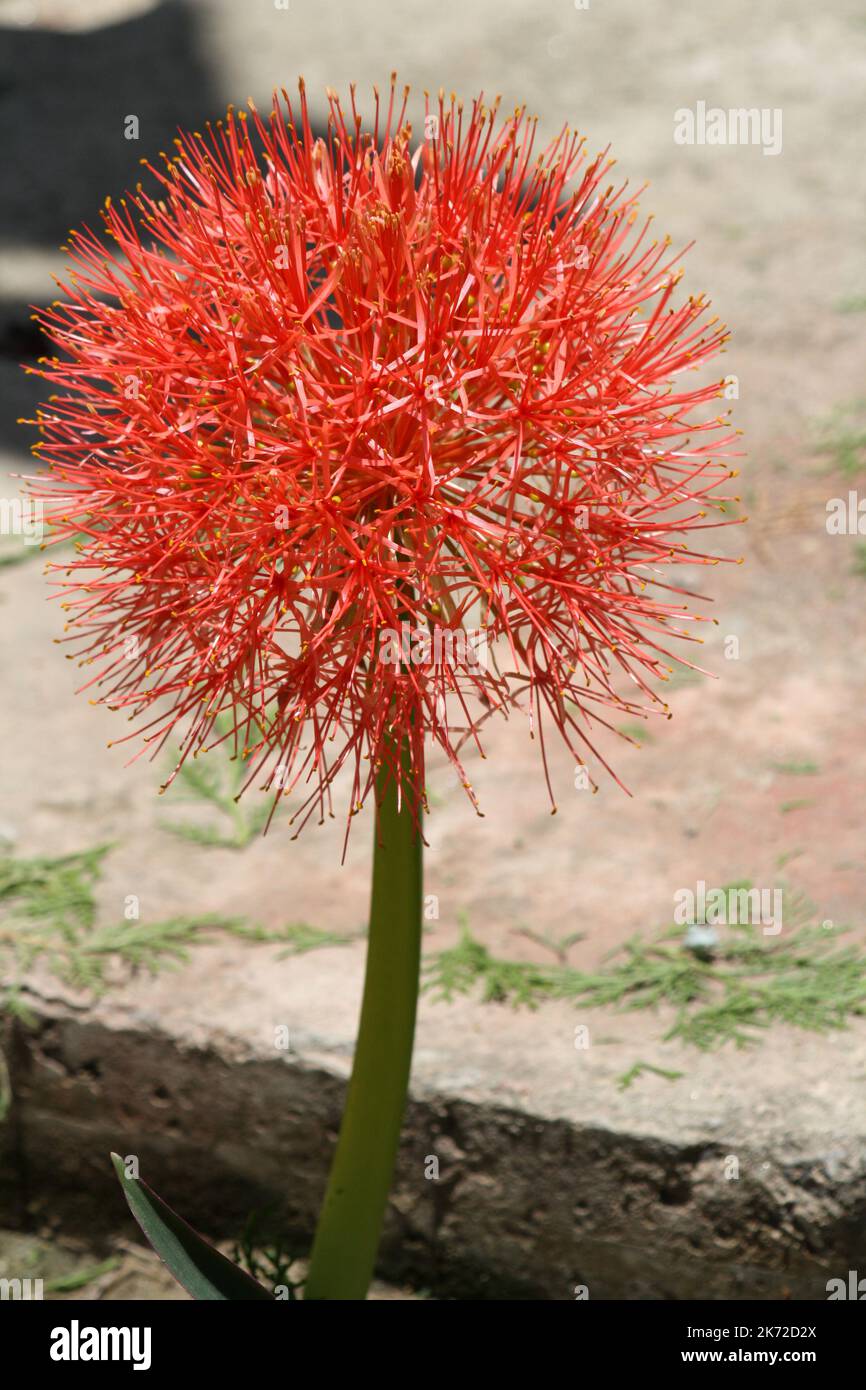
(335, 407)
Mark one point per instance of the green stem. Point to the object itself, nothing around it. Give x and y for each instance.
(350, 1222)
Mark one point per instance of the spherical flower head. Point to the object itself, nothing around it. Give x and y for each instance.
(365, 439)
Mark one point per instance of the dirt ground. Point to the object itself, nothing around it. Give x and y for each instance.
(760, 774)
(127, 1273)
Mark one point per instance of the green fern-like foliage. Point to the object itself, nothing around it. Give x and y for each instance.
(214, 782)
(841, 437)
(459, 969)
(639, 1069)
(56, 890)
(803, 978)
(299, 937)
(48, 915)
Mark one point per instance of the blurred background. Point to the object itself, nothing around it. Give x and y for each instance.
(758, 778)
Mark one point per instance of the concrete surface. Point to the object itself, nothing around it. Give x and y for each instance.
(549, 1177)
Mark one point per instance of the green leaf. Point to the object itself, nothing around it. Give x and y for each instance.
(194, 1262)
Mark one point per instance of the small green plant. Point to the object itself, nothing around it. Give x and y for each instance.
(49, 915)
(851, 304)
(859, 566)
(80, 1278)
(729, 994)
(558, 946)
(629, 1077)
(58, 890)
(638, 733)
(216, 783)
(299, 936)
(842, 437)
(786, 857)
(458, 969)
(269, 1261)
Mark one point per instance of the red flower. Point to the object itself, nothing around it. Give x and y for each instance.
(329, 396)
